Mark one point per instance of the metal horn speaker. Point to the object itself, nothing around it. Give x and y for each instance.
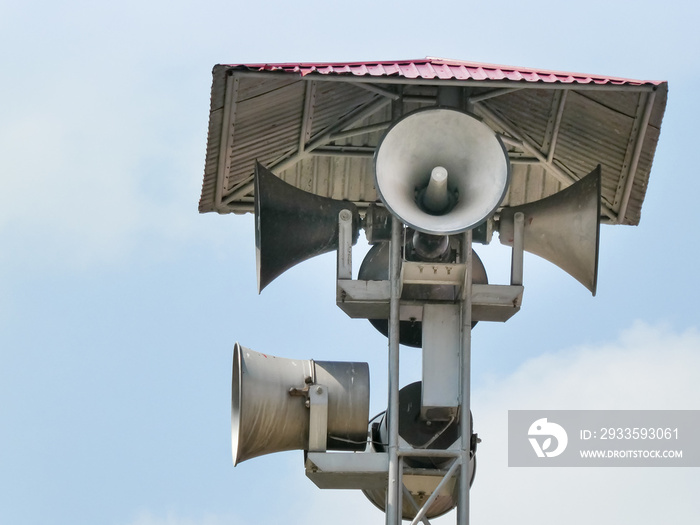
(269, 411)
(441, 171)
(292, 225)
(419, 433)
(375, 267)
(563, 228)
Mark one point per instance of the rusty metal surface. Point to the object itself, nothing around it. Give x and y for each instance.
(317, 126)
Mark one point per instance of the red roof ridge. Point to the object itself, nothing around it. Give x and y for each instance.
(447, 68)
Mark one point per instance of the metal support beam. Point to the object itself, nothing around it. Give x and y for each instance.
(366, 152)
(409, 497)
(363, 130)
(230, 107)
(554, 125)
(307, 115)
(492, 94)
(465, 385)
(381, 91)
(394, 492)
(632, 170)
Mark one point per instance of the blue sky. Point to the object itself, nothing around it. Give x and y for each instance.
(120, 304)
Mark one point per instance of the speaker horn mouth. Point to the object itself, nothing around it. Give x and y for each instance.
(441, 170)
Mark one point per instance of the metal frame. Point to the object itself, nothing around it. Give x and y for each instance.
(373, 469)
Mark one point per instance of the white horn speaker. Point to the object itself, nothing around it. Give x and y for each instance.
(441, 171)
(270, 408)
(563, 228)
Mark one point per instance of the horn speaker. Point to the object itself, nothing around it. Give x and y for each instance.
(441, 171)
(267, 416)
(563, 228)
(420, 433)
(292, 225)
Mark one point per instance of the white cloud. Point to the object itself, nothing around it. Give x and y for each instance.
(648, 367)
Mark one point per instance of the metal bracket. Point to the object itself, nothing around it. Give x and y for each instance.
(317, 402)
(370, 299)
(432, 273)
(318, 418)
(344, 245)
(516, 265)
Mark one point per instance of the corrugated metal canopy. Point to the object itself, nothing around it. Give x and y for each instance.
(317, 127)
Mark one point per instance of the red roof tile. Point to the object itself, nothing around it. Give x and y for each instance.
(443, 69)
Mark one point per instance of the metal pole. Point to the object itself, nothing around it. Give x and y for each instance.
(394, 492)
(465, 384)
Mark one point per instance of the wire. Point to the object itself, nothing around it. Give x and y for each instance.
(346, 440)
(437, 435)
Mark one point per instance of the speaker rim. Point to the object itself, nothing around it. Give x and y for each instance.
(236, 403)
(588, 186)
(448, 231)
